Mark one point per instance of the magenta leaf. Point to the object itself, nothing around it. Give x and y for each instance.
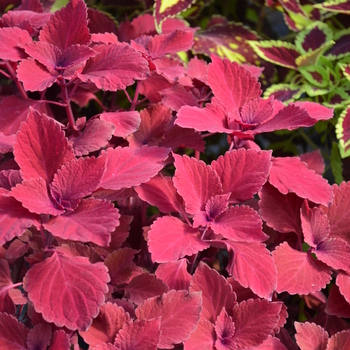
(41, 147)
(307, 185)
(305, 275)
(92, 221)
(170, 239)
(314, 161)
(204, 280)
(310, 336)
(243, 172)
(336, 304)
(139, 335)
(241, 224)
(231, 84)
(252, 266)
(106, 325)
(171, 307)
(161, 192)
(177, 96)
(202, 338)
(60, 340)
(174, 274)
(254, 321)
(127, 167)
(96, 135)
(144, 286)
(13, 334)
(281, 212)
(74, 290)
(196, 182)
(126, 122)
(67, 27)
(225, 330)
(315, 110)
(10, 41)
(77, 179)
(6, 143)
(14, 219)
(34, 196)
(116, 67)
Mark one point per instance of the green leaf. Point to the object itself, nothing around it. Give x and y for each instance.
(310, 58)
(342, 130)
(315, 75)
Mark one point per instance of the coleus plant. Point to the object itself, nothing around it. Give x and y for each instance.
(116, 235)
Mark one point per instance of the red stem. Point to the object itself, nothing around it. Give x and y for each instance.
(136, 96)
(66, 101)
(17, 82)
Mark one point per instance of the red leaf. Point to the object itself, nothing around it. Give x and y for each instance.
(315, 226)
(6, 143)
(16, 249)
(14, 219)
(254, 321)
(336, 304)
(59, 341)
(13, 334)
(34, 196)
(67, 26)
(196, 182)
(307, 185)
(310, 336)
(212, 118)
(305, 275)
(127, 167)
(314, 161)
(77, 179)
(144, 286)
(343, 282)
(10, 41)
(120, 265)
(281, 212)
(231, 84)
(92, 221)
(202, 338)
(216, 292)
(225, 330)
(74, 290)
(177, 96)
(163, 44)
(116, 67)
(41, 147)
(106, 325)
(160, 191)
(271, 343)
(243, 172)
(316, 110)
(239, 223)
(125, 122)
(34, 76)
(39, 336)
(172, 307)
(339, 212)
(14, 111)
(96, 135)
(139, 335)
(174, 274)
(121, 233)
(170, 239)
(339, 341)
(252, 266)
(155, 121)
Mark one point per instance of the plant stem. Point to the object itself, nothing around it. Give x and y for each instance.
(66, 101)
(195, 258)
(17, 82)
(136, 96)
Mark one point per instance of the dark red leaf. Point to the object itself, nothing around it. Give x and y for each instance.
(336, 304)
(13, 334)
(39, 336)
(74, 290)
(59, 341)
